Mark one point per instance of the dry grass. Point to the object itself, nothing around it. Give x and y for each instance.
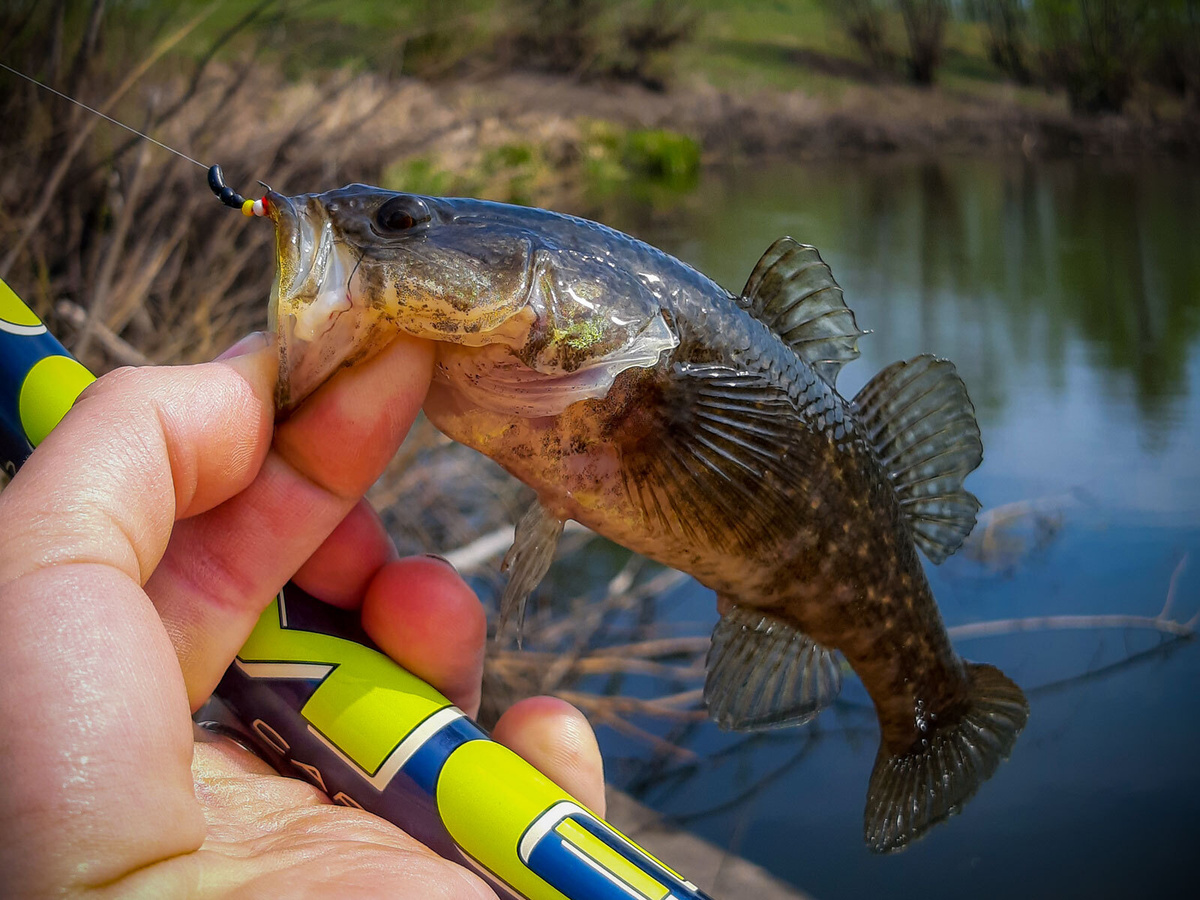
(137, 260)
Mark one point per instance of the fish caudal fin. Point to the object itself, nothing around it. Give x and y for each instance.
(764, 673)
(527, 561)
(910, 793)
(919, 419)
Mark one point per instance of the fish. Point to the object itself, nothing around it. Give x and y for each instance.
(698, 427)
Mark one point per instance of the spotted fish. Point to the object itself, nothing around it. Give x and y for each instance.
(701, 428)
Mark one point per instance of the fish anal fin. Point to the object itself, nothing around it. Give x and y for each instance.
(527, 561)
(792, 291)
(921, 422)
(765, 673)
(912, 792)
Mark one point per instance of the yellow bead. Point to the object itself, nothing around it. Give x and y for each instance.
(248, 208)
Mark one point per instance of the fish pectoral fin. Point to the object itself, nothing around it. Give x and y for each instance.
(793, 293)
(911, 792)
(722, 464)
(527, 561)
(765, 673)
(921, 422)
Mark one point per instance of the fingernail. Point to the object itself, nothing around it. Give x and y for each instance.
(255, 340)
(440, 559)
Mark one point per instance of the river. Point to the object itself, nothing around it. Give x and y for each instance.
(1068, 295)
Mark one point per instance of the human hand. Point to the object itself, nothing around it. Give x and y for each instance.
(142, 540)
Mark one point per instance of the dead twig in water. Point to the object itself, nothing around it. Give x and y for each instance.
(1161, 622)
(661, 746)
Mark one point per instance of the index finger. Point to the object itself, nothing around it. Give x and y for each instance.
(139, 449)
(224, 566)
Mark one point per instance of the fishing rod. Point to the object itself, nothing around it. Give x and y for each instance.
(316, 696)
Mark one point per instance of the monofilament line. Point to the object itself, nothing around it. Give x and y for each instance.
(102, 115)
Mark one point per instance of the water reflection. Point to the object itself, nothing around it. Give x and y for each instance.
(1068, 295)
(1022, 255)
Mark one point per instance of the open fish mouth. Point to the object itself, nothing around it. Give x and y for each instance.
(309, 298)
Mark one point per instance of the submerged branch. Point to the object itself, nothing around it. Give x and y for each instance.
(1162, 622)
(1070, 623)
(479, 551)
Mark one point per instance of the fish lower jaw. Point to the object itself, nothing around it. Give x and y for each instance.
(322, 286)
(317, 326)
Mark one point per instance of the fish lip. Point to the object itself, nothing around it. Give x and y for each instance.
(287, 221)
(301, 298)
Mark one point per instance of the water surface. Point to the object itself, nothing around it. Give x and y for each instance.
(1068, 295)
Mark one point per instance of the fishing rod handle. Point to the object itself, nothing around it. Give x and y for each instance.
(321, 702)
(39, 378)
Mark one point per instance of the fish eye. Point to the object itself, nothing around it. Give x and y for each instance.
(400, 214)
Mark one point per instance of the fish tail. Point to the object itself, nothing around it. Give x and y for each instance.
(911, 792)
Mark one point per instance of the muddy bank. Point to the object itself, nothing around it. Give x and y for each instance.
(867, 119)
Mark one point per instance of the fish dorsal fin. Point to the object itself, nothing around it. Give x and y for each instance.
(527, 561)
(919, 419)
(765, 673)
(793, 293)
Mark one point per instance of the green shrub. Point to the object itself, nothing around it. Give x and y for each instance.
(1093, 48)
(665, 156)
(1007, 36)
(418, 176)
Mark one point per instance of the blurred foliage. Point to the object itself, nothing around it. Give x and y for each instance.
(925, 26)
(1092, 48)
(648, 40)
(1008, 36)
(1099, 49)
(659, 155)
(557, 35)
(864, 21)
(1046, 252)
(630, 41)
(870, 25)
(653, 165)
(1174, 61)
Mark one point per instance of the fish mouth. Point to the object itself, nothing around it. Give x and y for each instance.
(310, 295)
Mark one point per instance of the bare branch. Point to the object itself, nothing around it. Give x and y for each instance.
(1070, 623)
(121, 350)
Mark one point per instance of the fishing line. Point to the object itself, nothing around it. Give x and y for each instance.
(216, 179)
(90, 109)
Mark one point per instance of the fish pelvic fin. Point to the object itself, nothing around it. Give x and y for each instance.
(918, 417)
(527, 562)
(910, 793)
(765, 673)
(793, 293)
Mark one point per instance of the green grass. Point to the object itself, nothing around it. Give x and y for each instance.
(742, 47)
(752, 45)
